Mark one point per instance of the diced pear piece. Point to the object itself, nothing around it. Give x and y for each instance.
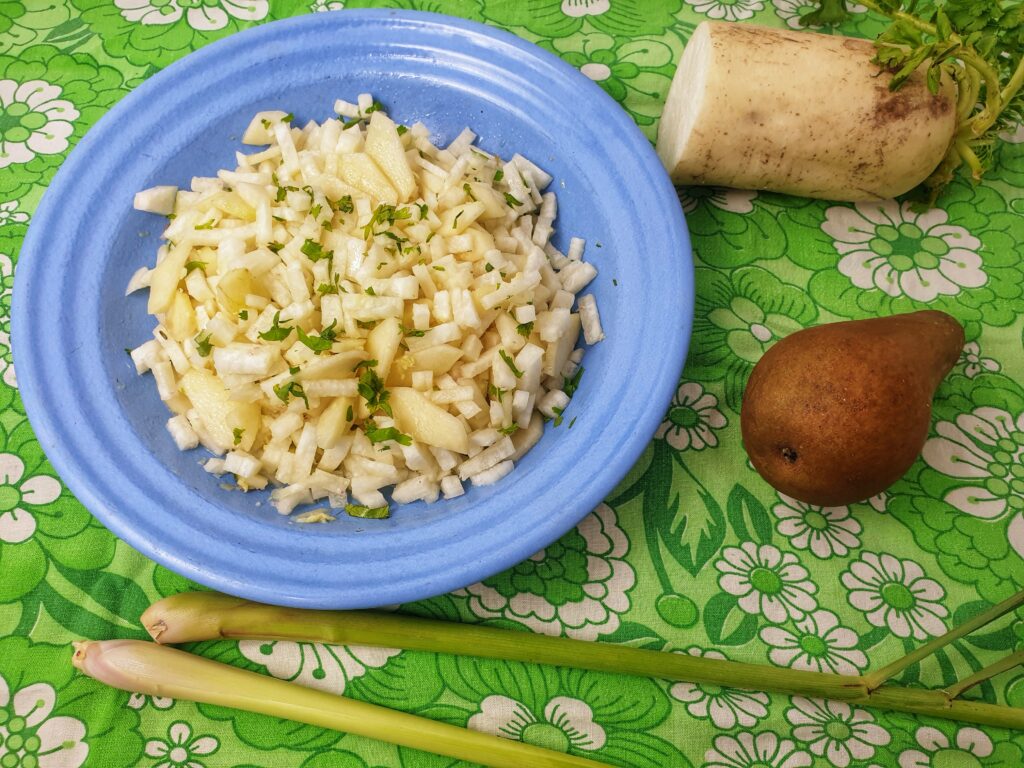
(382, 343)
(426, 422)
(233, 287)
(494, 206)
(358, 170)
(336, 366)
(233, 205)
(333, 423)
(166, 276)
(438, 359)
(384, 145)
(455, 220)
(261, 129)
(180, 320)
(220, 414)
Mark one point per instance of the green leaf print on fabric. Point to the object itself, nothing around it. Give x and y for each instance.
(10, 12)
(967, 501)
(578, 586)
(874, 259)
(731, 227)
(12, 232)
(52, 99)
(52, 716)
(944, 744)
(1009, 157)
(562, 18)
(582, 713)
(636, 72)
(145, 32)
(460, 8)
(53, 23)
(738, 315)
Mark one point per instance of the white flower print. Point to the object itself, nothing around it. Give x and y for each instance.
(723, 198)
(17, 495)
(973, 362)
(576, 8)
(1013, 135)
(937, 751)
(604, 579)
(835, 730)
(565, 720)
(819, 644)
(140, 700)
(201, 17)
(6, 286)
(896, 594)
(692, 419)
(826, 531)
(29, 736)
(36, 121)
(726, 707)
(747, 750)
(316, 665)
(179, 749)
(879, 502)
(766, 581)
(9, 214)
(727, 10)
(901, 252)
(791, 11)
(322, 6)
(985, 448)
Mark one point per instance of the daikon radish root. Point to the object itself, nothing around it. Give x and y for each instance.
(801, 113)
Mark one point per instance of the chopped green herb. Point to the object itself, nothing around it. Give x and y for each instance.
(275, 247)
(320, 342)
(496, 393)
(385, 214)
(203, 345)
(343, 204)
(455, 222)
(430, 237)
(511, 429)
(469, 191)
(364, 364)
(290, 389)
(381, 435)
(288, 118)
(393, 236)
(190, 265)
(349, 414)
(324, 288)
(370, 513)
(127, 351)
(571, 384)
(172, 216)
(511, 200)
(558, 416)
(315, 210)
(572, 421)
(370, 291)
(416, 332)
(367, 325)
(615, 282)
(349, 123)
(371, 388)
(525, 329)
(326, 224)
(206, 224)
(508, 361)
(315, 251)
(498, 175)
(266, 123)
(423, 210)
(375, 107)
(292, 370)
(276, 332)
(401, 130)
(237, 433)
(439, 269)
(243, 314)
(488, 267)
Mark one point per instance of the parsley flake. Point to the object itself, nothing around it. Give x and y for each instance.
(315, 251)
(237, 433)
(383, 434)
(511, 200)
(508, 361)
(369, 513)
(190, 265)
(525, 329)
(203, 345)
(276, 332)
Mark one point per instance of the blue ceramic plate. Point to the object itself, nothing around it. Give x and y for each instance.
(103, 427)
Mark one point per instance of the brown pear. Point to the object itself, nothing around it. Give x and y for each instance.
(838, 413)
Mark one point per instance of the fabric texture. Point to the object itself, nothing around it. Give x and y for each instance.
(692, 553)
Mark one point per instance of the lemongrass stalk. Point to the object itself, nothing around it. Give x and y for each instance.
(155, 670)
(993, 669)
(875, 679)
(194, 616)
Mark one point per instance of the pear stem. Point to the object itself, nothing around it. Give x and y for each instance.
(874, 679)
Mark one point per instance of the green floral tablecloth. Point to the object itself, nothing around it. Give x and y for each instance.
(693, 553)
